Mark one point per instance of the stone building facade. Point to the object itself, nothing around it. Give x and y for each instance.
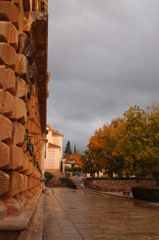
(54, 149)
(23, 105)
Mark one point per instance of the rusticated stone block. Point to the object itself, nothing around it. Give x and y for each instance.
(30, 182)
(29, 89)
(31, 113)
(32, 101)
(4, 155)
(22, 89)
(19, 110)
(16, 158)
(27, 103)
(14, 207)
(18, 134)
(25, 165)
(17, 3)
(24, 146)
(5, 129)
(8, 33)
(32, 140)
(6, 102)
(34, 172)
(36, 109)
(38, 131)
(33, 90)
(36, 120)
(35, 139)
(35, 149)
(35, 128)
(30, 158)
(26, 5)
(7, 54)
(4, 182)
(30, 169)
(7, 79)
(16, 183)
(27, 48)
(3, 210)
(31, 127)
(27, 125)
(9, 12)
(5, 235)
(36, 100)
(25, 185)
(22, 65)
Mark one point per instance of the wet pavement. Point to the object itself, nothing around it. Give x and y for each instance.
(76, 214)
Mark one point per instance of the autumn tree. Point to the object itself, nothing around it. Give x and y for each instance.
(118, 132)
(129, 145)
(77, 156)
(103, 149)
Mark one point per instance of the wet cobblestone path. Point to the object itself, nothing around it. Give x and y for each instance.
(76, 215)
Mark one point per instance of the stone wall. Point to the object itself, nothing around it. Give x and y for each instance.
(23, 95)
(117, 185)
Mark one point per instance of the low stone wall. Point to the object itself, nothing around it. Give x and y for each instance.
(55, 183)
(118, 185)
(58, 174)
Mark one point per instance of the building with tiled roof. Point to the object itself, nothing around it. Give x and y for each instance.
(53, 150)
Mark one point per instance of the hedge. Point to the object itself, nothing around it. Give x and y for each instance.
(48, 177)
(69, 182)
(146, 193)
(124, 178)
(68, 174)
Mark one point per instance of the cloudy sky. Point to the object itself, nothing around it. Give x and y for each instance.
(103, 58)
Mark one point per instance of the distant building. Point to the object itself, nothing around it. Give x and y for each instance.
(53, 150)
(71, 163)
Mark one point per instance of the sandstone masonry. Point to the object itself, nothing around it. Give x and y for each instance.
(23, 104)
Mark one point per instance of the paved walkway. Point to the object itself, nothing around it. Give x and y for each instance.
(77, 214)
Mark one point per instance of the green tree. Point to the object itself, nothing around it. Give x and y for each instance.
(135, 139)
(68, 148)
(88, 164)
(141, 141)
(150, 157)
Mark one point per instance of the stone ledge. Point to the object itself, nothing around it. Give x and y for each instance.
(20, 223)
(35, 227)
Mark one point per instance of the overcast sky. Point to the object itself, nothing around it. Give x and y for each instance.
(103, 58)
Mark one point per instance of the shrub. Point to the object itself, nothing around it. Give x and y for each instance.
(63, 180)
(48, 177)
(146, 193)
(76, 169)
(124, 178)
(69, 182)
(68, 174)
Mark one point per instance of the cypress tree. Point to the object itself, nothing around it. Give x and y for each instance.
(74, 149)
(68, 148)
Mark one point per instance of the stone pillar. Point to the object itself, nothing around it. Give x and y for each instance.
(63, 164)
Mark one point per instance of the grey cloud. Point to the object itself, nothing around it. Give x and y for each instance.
(103, 57)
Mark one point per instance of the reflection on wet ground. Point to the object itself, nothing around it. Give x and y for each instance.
(90, 216)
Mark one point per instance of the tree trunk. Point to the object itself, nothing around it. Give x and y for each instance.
(110, 174)
(157, 180)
